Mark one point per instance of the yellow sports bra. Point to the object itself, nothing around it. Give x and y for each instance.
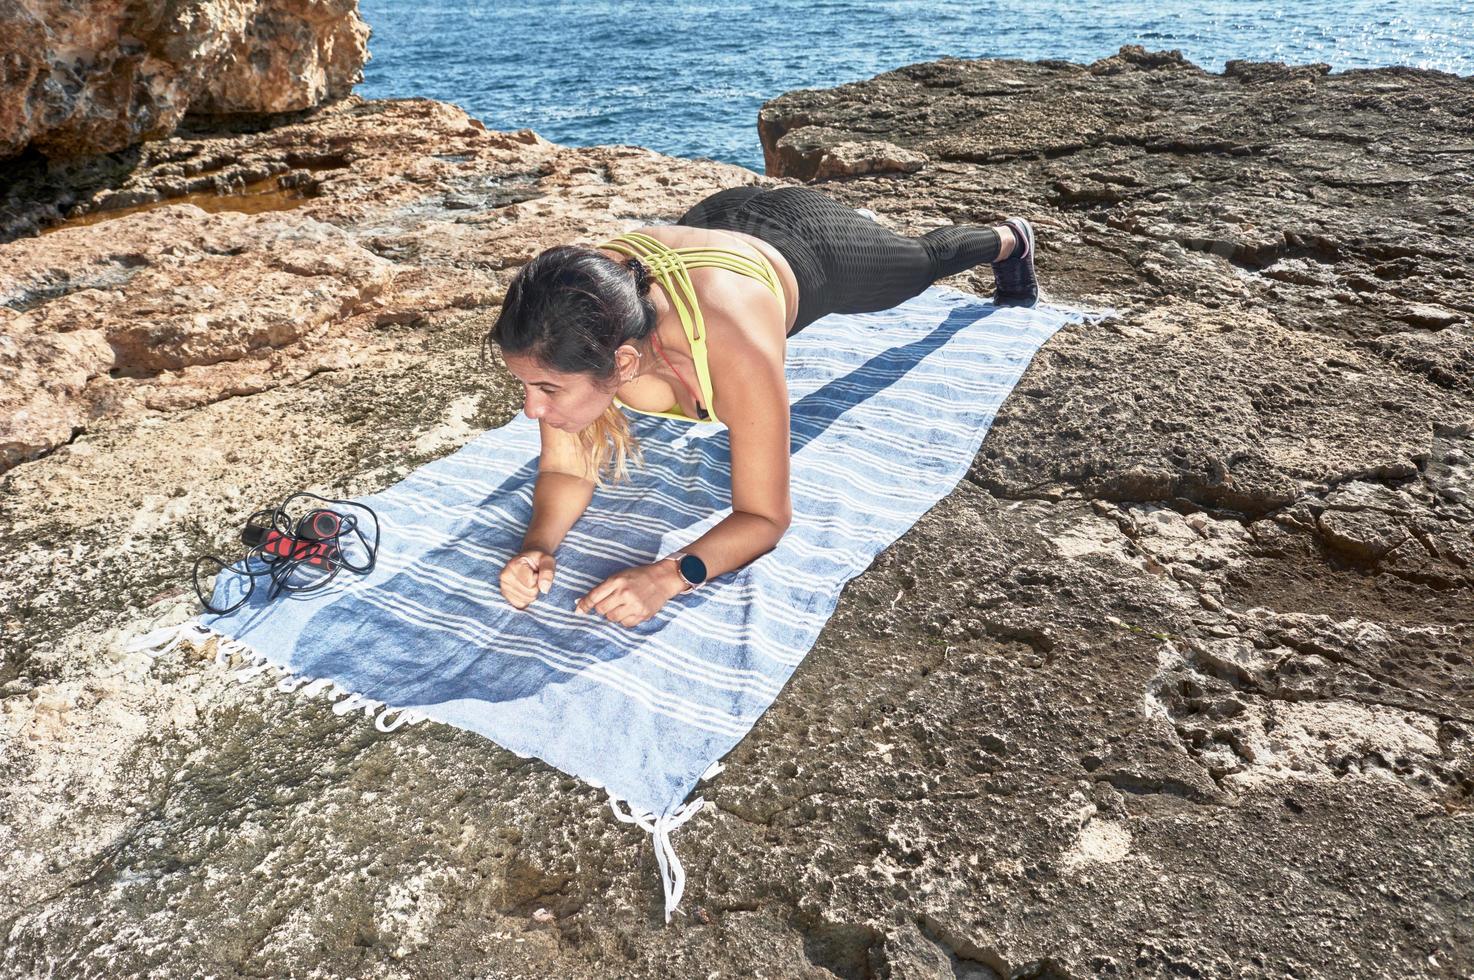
(668, 266)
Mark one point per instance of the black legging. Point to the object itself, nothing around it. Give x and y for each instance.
(843, 261)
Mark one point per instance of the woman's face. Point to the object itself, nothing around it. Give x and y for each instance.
(565, 401)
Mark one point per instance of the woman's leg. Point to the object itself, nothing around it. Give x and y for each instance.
(850, 264)
(876, 270)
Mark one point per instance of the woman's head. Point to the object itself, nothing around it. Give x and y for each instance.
(571, 329)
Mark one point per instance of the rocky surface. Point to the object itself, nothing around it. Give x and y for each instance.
(85, 78)
(1180, 681)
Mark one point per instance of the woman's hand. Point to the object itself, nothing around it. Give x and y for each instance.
(631, 596)
(528, 574)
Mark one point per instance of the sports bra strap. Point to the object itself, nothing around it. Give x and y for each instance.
(667, 266)
(670, 267)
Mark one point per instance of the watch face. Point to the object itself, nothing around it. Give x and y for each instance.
(693, 569)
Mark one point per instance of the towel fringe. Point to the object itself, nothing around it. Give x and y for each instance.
(357, 701)
(161, 641)
(407, 716)
(314, 688)
(388, 718)
(291, 684)
(251, 672)
(672, 875)
(164, 640)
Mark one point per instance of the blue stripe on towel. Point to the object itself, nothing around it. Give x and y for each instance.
(889, 410)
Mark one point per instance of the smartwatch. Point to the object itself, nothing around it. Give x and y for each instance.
(692, 569)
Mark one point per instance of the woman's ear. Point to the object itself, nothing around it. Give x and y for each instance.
(626, 363)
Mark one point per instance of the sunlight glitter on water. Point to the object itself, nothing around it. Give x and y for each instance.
(688, 80)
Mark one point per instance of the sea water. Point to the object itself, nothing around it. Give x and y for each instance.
(687, 79)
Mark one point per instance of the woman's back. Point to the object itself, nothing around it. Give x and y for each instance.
(683, 237)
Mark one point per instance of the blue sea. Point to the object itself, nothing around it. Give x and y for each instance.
(687, 79)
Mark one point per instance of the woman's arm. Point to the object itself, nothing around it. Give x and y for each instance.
(563, 491)
(753, 396)
(558, 501)
(559, 497)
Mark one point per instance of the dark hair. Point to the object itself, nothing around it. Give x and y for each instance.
(570, 308)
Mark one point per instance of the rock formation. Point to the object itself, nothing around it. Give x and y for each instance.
(78, 79)
(1179, 682)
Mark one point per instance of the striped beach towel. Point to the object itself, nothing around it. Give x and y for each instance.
(888, 411)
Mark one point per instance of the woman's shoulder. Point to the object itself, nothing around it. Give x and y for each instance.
(742, 323)
(737, 304)
(682, 236)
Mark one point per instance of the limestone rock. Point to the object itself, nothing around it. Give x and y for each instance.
(1365, 534)
(292, 54)
(867, 157)
(80, 79)
(813, 154)
(195, 295)
(43, 376)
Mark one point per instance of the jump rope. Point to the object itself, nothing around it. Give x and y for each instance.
(298, 555)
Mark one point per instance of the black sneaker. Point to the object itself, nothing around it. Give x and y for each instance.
(1013, 278)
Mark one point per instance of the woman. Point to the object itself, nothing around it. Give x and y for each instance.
(740, 272)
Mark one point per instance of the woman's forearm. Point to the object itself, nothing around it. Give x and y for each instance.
(736, 540)
(558, 501)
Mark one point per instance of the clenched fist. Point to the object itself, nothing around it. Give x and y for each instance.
(528, 574)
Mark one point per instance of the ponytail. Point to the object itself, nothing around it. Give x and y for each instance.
(607, 443)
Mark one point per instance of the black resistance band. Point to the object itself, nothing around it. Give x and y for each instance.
(298, 554)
